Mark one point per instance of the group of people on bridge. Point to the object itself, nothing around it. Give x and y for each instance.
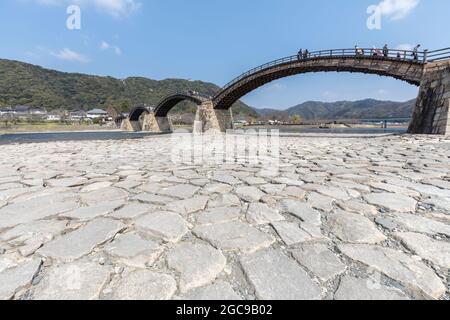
(303, 54)
(376, 52)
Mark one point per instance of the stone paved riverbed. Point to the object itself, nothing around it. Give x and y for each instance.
(359, 218)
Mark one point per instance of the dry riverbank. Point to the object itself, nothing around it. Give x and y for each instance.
(361, 218)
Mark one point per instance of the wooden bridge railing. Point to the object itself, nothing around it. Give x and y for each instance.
(419, 57)
(438, 55)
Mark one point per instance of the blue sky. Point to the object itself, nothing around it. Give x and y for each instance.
(216, 40)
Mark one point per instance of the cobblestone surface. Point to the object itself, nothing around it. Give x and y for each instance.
(355, 218)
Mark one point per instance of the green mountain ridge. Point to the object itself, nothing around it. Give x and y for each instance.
(26, 84)
(362, 109)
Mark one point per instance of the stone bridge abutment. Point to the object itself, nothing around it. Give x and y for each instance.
(432, 110)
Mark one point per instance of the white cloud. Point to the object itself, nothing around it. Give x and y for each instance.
(382, 92)
(69, 55)
(116, 8)
(329, 94)
(397, 9)
(274, 87)
(106, 46)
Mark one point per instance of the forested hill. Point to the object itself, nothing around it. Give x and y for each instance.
(26, 84)
(363, 109)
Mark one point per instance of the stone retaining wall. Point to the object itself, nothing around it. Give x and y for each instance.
(431, 114)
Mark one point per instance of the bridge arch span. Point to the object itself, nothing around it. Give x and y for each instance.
(168, 103)
(137, 112)
(406, 69)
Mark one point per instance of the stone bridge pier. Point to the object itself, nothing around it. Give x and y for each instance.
(432, 111)
(130, 126)
(212, 120)
(152, 123)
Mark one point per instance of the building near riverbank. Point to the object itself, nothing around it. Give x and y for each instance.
(97, 114)
(24, 112)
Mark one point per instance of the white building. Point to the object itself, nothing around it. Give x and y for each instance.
(77, 115)
(53, 117)
(97, 113)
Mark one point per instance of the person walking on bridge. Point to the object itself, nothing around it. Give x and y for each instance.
(359, 51)
(416, 52)
(300, 54)
(386, 51)
(306, 54)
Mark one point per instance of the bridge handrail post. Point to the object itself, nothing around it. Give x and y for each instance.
(425, 56)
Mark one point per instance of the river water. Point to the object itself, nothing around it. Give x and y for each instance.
(119, 135)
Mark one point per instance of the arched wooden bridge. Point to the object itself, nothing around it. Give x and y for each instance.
(415, 68)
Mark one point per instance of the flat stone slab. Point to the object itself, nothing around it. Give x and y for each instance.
(128, 184)
(181, 191)
(91, 212)
(153, 199)
(357, 289)
(429, 249)
(259, 213)
(294, 192)
(7, 186)
(437, 202)
(319, 260)
(226, 179)
(81, 242)
(273, 189)
(103, 195)
(421, 224)
(234, 236)
(249, 194)
(413, 274)
(224, 200)
(73, 281)
(36, 209)
(217, 188)
(276, 277)
(144, 285)
(254, 180)
(133, 210)
(168, 226)
(43, 229)
(354, 228)
(134, 251)
(357, 206)
(66, 182)
(7, 195)
(185, 207)
(318, 201)
(330, 191)
(97, 186)
(288, 181)
(392, 201)
(219, 215)
(215, 292)
(301, 210)
(15, 278)
(291, 233)
(198, 264)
